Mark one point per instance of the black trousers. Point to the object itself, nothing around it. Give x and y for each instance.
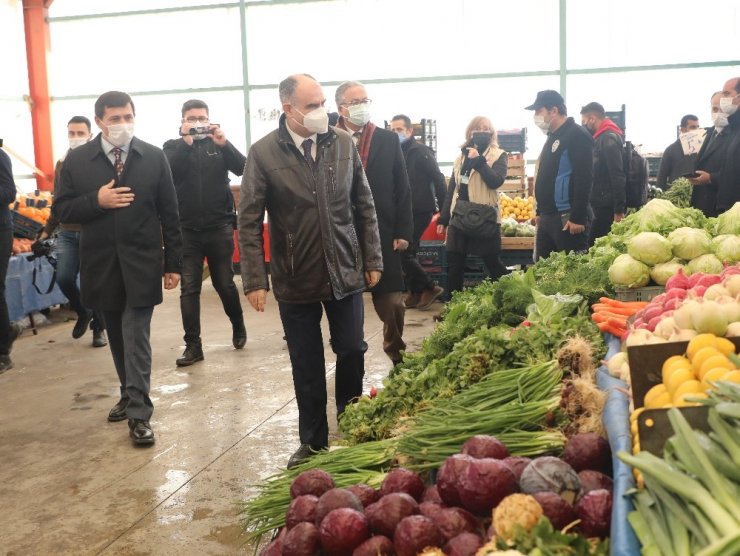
(6, 246)
(416, 279)
(459, 244)
(302, 326)
(602, 223)
(218, 247)
(552, 238)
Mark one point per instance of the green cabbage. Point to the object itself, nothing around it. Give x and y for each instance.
(661, 272)
(650, 248)
(690, 243)
(728, 250)
(729, 222)
(707, 264)
(629, 272)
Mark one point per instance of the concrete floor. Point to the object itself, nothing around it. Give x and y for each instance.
(72, 483)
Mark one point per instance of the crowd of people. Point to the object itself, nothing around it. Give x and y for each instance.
(346, 206)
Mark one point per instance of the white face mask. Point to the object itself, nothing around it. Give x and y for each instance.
(719, 119)
(359, 114)
(77, 142)
(120, 134)
(316, 121)
(725, 104)
(539, 121)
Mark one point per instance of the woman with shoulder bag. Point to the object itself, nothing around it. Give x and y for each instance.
(471, 213)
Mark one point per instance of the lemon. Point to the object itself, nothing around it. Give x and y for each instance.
(712, 375)
(653, 393)
(664, 400)
(699, 341)
(725, 346)
(713, 362)
(673, 363)
(677, 379)
(687, 387)
(732, 376)
(702, 355)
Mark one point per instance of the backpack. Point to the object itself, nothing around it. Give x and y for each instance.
(636, 173)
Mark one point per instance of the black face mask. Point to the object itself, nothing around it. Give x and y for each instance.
(481, 140)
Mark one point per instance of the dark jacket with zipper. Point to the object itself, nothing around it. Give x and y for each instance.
(609, 176)
(322, 223)
(710, 159)
(565, 173)
(425, 178)
(201, 175)
(728, 192)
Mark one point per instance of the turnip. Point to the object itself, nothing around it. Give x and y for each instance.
(730, 308)
(682, 335)
(333, 499)
(415, 533)
(733, 329)
(448, 478)
(484, 483)
(453, 521)
(342, 531)
(732, 283)
(365, 493)
(551, 474)
(464, 544)
(302, 508)
(313, 481)
(707, 317)
(302, 540)
(665, 327)
(484, 446)
(587, 450)
(594, 510)
(403, 480)
(387, 512)
(556, 509)
(516, 464)
(594, 480)
(375, 546)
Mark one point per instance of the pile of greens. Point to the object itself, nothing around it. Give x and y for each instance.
(678, 193)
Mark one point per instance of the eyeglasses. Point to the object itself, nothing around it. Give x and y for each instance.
(358, 102)
(194, 120)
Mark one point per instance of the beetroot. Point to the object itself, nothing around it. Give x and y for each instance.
(365, 493)
(484, 446)
(550, 474)
(594, 480)
(387, 512)
(453, 521)
(313, 481)
(431, 494)
(415, 533)
(557, 510)
(464, 544)
(375, 546)
(302, 540)
(588, 450)
(516, 464)
(595, 511)
(302, 508)
(343, 530)
(448, 478)
(484, 483)
(430, 509)
(333, 499)
(403, 480)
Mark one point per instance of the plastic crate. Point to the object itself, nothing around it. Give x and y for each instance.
(432, 253)
(638, 294)
(24, 226)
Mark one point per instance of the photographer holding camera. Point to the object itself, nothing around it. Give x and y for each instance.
(67, 248)
(201, 160)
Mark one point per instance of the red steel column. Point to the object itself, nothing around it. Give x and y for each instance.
(35, 17)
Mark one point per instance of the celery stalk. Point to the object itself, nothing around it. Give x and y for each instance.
(727, 545)
(674, 505)
(654, 518)
(726, 434)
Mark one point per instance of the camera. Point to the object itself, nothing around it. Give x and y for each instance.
(42, 248)
(199, 130)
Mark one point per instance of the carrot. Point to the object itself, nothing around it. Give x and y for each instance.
(617, 310)
(617, 303)
(614, 331)
(599, 317)
(616, 322)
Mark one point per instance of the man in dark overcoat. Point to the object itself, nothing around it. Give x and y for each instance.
(120, 190)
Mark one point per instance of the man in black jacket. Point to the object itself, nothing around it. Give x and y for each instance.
(608, 197)
(674, 162)
(564, 178)
(728, 192)
(201, 161)
(427, 197)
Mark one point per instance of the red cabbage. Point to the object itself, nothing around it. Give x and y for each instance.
(593, 480)
(448, 478)
(302, 540)
(516, 464)
(387, 512)
(484, 446)
(333, 499)
(342, 531)
(302, 508)
(414, 534)
(556, 509)
(365, 493)
(375, 546)
(453, 521)
(465, 544)
(588, 451)
(403, 480)
(553, 475)
(313, 481)
(484, 483)
(595, 510)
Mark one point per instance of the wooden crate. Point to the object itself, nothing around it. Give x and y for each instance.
(516, 243)
(517, 167)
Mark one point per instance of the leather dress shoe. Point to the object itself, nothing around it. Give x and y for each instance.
(192, 354)
(99, 339)
(239, 337)
(83, 321)
(118, 411)
(140, 432)
(412, 300)
(428, 297)
(305, 452)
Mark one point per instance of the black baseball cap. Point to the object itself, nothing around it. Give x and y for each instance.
(546, 98)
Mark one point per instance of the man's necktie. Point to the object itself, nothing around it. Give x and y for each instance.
(307, 152)
(118, 163)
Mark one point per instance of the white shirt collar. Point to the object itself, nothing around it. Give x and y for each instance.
(108, 146)
(299, 139)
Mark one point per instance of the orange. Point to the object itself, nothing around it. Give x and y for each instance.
(677, 379)
(713, 362)
(702, 355)
(653, 393)
(699, 341)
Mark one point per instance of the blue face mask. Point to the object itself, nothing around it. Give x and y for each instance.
(402, 137)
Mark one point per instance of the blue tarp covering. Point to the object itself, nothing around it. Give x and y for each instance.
(616, 421)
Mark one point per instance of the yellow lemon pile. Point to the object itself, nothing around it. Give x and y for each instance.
(519, 208)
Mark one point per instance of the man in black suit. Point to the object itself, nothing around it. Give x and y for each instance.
(120, 190)
(674, 162)
(385, 168)
(709, 161)
(728, 191)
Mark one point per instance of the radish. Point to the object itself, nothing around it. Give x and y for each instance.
(654, 323)
(672, 304)
(694, 279)
(658, 299)
(675, 293)
(679, 280)
(709, 280)
(652, 311)
(698, 291)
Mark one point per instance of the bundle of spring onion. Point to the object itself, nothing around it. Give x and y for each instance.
(691, 501)
(512, 404)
